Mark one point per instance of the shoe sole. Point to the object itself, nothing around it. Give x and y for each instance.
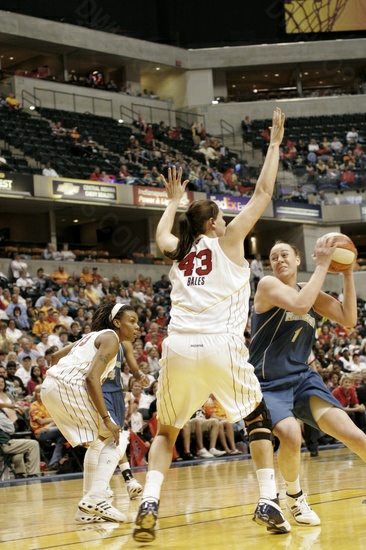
(144, 531)
(271, 527)
(92, 509)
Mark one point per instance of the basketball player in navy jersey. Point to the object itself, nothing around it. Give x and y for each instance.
(283, 333)
(210, 298)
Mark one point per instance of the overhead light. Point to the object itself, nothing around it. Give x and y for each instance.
(277, 74)
(120, 120)
(32, 107)
(157, 69)
(233, 86)
(266, 75)
(255, 91)
(11, 58)
(306, 74)
(243, 77)
(75, 221)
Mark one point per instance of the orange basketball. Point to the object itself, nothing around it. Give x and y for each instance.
(344, 255)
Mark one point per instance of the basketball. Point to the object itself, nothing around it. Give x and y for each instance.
(344, 255)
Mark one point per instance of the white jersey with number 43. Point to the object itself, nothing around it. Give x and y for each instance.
(210, 293)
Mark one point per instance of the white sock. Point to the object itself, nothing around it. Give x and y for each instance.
(293, 487)
(108, 460)
(90, 464)
(154, 481)
(267, 483)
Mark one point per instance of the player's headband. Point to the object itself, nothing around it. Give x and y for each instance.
(114, 311)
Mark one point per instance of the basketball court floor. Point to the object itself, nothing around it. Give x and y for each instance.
(207, 505)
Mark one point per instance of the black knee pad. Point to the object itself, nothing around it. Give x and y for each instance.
(266, 423)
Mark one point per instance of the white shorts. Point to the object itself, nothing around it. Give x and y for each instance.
(73, 412)
(195, 365)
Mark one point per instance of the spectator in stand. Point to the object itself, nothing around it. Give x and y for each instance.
(6, 345)
(43, 344)
(73, 77)
(49, 171)
(352, 137)
(87, 276)
(209, 152)
(325, 337)
(58, 130)
(18, 449)
(67, 255)
(16, 265)
(13, 103)
(64, 318)
(213, 409)
(11, 368)
(23, 371)
(41, 281)
(96, 175)
(23, 282)
(35, 379)
(50, 253)
(96, 275)
(347, 396)
(92, 295)
(313, 146)
(15, 302)
(75, 332)
(112, 86)
(41, 326)
(49, 295)
(54, 338)
(27, 349)
(60, 276)
(336, 145)
(13, 333)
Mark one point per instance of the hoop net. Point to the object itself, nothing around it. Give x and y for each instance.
(304, 16)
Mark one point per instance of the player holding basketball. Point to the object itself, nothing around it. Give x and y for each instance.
(72, 393)
(210, 298)
(283, 333)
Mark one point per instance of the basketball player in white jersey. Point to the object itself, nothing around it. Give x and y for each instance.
(205, 351)
(72, 393)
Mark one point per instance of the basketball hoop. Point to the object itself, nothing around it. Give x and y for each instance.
(305, 16)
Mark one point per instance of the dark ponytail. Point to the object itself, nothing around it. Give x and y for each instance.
(102, 317)
(192, 224)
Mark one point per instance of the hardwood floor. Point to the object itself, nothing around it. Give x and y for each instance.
(204, 506)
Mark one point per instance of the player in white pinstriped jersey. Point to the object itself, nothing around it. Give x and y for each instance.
(210, 295)
(72, 393)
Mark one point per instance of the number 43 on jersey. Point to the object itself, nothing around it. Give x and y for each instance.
(196, 267)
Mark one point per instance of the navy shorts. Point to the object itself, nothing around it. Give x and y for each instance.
(290, 396)
(115, 404)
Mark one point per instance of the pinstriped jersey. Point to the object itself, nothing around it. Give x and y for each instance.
(281, 343)
(72, 369)
(210, 293)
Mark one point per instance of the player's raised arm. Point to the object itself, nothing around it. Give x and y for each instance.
(238, 229)
(166, 241)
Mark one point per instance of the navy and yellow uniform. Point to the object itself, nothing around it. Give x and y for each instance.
(280, 346)
(113, 390)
